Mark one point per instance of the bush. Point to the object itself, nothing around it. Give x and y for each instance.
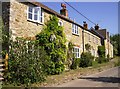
(117, 63)
(102, 59)
(86, 59)
(75, 63)
(101, 51)
(54, 68)
(26, 63)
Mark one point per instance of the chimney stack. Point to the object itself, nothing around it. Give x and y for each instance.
(96, 27)
(64, 11)
(85, 25)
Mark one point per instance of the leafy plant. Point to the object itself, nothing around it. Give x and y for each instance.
(52, 39)
(75, 63)
(26, 62)
(86, 59)
(101, 53)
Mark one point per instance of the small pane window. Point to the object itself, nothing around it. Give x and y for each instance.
(76, 52)
(35, 14)
(75, 29)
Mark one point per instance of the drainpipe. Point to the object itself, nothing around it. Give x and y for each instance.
(83, 39)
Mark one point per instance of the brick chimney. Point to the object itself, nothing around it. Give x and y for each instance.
(96, 27)
(85, 25)
(64, 11)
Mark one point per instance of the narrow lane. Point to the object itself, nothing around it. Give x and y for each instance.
(107, 78)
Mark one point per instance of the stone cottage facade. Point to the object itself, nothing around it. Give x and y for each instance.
(26, 19)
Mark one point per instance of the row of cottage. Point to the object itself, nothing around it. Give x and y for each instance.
(26, 19)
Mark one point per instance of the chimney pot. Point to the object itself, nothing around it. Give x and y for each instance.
(96, 27)
(64, 11)
(85, 25)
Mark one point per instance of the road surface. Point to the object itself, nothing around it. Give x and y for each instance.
(107, 78)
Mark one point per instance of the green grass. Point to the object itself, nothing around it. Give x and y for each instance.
(117, 62)
(94, 64)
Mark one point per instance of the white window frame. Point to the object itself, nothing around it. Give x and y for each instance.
(75, 29)
(60, 23)
(77, 52)
(40, 14)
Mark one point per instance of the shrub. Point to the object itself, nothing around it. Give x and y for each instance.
(75, 63)
(86, 59)
(26, 63)
(101, 51)
(54, 68)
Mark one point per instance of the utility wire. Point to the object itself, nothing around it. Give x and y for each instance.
(79, 12)
(83, 15)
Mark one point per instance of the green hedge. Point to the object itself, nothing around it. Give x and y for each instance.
(26, 63)
(86, 59)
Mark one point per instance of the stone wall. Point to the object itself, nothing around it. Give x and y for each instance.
(21, 27)
(93, 40)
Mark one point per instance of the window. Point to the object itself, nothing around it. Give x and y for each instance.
(35, 14)
(75, 29)
(76, 52)
(60, 23)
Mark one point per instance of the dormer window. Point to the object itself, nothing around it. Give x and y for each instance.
(75, 29)
(35, 14)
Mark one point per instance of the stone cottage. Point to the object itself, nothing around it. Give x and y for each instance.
(26, 19)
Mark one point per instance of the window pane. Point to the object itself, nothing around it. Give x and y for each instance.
(77, 31)
(30, 9)
(35, 17)
(78, 50)
(30, 16)
(36, 10)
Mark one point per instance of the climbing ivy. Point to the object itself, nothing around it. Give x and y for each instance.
(53, 41)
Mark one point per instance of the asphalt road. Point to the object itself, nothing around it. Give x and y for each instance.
(107, 78)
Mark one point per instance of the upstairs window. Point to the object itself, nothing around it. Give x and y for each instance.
(35, 14)
(76, 52)
(75, 29)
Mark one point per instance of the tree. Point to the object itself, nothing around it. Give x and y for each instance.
(115, 40)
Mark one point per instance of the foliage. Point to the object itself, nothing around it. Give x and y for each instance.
(86, 59)
(88, 47)
(26, 62)
(69, 54)
(115, 40)
(52, 39)
(75, 63)
(101, 53)
(102, 59)
(117, 63)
